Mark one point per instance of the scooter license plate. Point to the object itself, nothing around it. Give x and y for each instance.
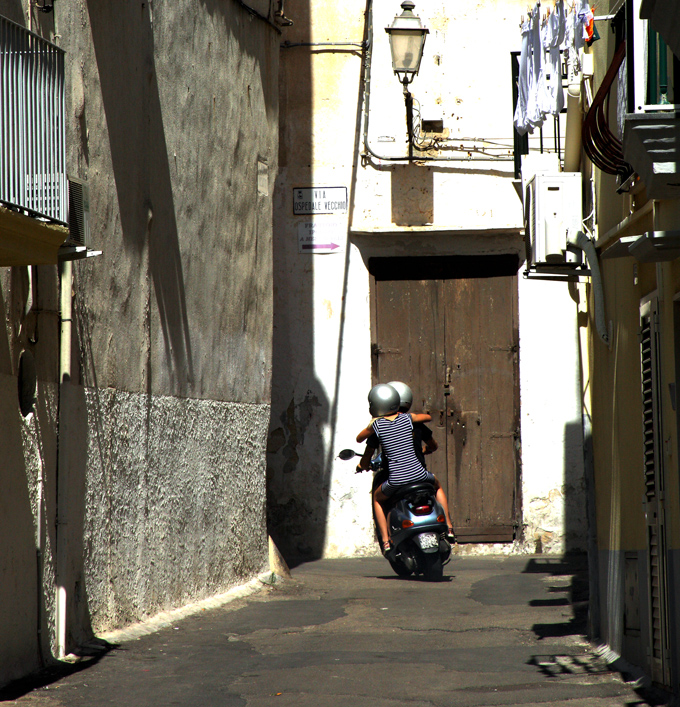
(427, 540)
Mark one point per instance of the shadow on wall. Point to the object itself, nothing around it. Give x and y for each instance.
(13, 10)
(298, 475)
(249, 43)
(21, 596)
(74, 432)
(412, 195)
(575, 499)
(124, 46)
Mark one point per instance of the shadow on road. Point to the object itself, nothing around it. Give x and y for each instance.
(569, 578)
(89, 655)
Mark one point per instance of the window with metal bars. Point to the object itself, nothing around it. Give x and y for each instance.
(32, 129)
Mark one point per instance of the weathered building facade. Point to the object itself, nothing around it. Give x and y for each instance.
(389, 267)
(630, 137)
(133, 477)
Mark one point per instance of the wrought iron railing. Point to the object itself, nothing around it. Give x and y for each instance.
(32, 146)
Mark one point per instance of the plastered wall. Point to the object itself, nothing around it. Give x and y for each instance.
(158, 488)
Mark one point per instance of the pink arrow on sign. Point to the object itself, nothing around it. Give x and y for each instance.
(319, 246)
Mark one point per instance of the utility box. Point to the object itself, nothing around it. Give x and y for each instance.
(552, 205)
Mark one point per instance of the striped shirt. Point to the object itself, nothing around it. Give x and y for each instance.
(396, 437)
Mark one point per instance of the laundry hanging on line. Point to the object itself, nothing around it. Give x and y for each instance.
(540, 91)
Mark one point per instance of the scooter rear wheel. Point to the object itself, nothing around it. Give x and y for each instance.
(433, 570)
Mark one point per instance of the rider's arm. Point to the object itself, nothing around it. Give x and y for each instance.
(366, 432)
(365, 461)
(430, 446)
(421, 417)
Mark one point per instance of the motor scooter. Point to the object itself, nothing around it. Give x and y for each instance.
(416, 524)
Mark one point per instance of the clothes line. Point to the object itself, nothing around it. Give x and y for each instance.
(562, 32)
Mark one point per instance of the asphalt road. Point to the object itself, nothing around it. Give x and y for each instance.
(349, 633)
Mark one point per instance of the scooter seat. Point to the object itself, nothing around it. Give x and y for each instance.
(406, 489)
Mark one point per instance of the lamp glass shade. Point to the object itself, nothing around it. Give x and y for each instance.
(407, 49)
(407, 39)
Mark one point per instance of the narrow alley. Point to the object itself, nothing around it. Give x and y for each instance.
(500, 630)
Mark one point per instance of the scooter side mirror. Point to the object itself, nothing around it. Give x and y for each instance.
(347, 454)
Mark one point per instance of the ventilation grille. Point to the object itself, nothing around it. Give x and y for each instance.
(78, 212)
(646, 354)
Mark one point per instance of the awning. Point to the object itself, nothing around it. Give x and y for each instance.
(29, 241)
(650, 247)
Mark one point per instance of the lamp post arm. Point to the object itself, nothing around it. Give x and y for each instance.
(408, 99)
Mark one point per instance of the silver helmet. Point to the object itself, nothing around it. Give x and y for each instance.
(405, 395)
(383, 400)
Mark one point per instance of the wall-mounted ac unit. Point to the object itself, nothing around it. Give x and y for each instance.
(78, 213)
(552, 204)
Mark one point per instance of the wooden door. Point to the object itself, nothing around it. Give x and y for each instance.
(454, 341)
(481, 377)
(408, 346)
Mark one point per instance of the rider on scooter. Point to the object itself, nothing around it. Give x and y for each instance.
(423, 440)
(394, 430)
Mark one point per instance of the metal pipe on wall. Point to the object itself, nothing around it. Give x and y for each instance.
(572, 138)
(582, 242)
(66, 285)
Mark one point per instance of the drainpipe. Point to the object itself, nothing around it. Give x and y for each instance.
(66, 285)
(572, 140)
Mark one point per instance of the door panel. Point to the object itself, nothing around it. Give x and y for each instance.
(454, 341)
(409, 348)
(483, 411)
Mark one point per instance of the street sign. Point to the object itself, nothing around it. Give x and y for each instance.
(319, 200)
(321, 237)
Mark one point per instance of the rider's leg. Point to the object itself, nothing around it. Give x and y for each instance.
(381, 520)
(443, 502)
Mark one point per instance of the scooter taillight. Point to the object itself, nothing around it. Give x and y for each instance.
(422, 510)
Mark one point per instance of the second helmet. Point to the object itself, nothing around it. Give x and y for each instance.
(383, 400)
(405, 395)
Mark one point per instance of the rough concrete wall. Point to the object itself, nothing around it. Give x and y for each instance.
(173, 106)
(177, 114)
(172, 117)
(174, 502)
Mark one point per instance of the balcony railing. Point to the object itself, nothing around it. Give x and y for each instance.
(33, 155)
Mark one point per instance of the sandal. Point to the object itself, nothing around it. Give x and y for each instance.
(389, 551)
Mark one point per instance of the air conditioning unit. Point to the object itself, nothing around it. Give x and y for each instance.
(78, 213)
(552, 205)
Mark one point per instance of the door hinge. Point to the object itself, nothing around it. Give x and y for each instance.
(378, 350)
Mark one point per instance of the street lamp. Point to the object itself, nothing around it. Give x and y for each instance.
(407, 39)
